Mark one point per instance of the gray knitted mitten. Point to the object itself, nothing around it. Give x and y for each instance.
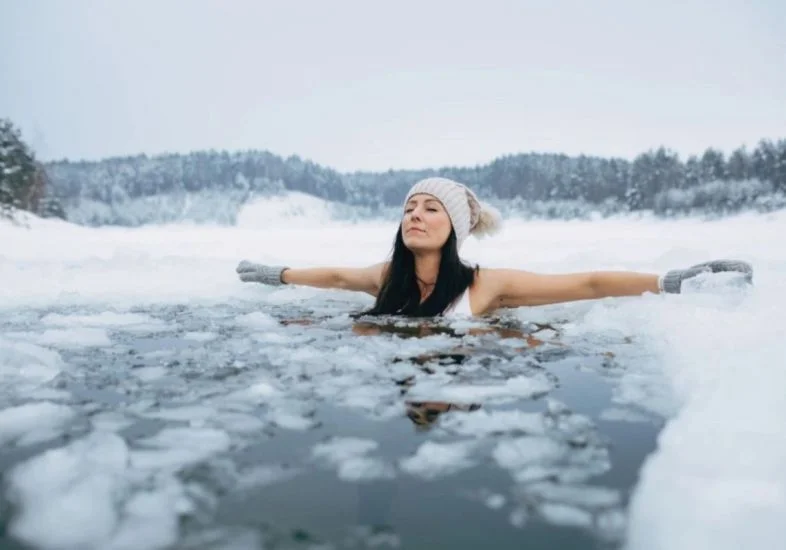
(671, 281)
(250, 272)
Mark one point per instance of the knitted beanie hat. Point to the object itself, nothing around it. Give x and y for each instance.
(467, 214)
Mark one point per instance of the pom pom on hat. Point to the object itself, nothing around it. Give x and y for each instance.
(489, 221)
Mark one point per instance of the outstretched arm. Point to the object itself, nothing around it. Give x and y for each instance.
(514, 288)
(363, 279)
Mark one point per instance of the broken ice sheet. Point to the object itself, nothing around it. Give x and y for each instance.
(483, 422)
(25, 366)
(33, 422)
(264, 474)
(433, 459)
(290, 418)
(174, 448)
(103, 319)
(200, 336)
(82, 496)
(349, 455)
(517, 387)
(618, 414)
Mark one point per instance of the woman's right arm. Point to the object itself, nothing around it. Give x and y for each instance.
(363, 279)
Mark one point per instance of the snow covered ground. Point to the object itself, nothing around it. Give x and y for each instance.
(130, 358)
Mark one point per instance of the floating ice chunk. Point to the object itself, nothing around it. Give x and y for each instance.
(611, 523)
(233, 538)
(110, 421)
(586, 496)
(150, 519)
(256, 392)
(518, 517)
(23, 364)
(615, 414)
(178, 447)
(262, 475)
(49, 394)
(67, 497)
(495, 501)
(565, 515)
(433, 460)
(148, 374)
(262, 389)
(192, 413)
(33, 422)
(367, 537)
(348, 455)
(290, 419)
(351, 359)
(520, 387)
(517, 453)
(153, 326)
(74, 338)
(256, 321)
(529, 458)
(238, 422)
(103, 319)
(482, 423)
(338, 449)
(274, 338)
(381, 401)
(198, 336)
(364, 468)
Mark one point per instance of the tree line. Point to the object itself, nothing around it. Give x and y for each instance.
(543, 184)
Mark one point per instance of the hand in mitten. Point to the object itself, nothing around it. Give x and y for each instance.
(671, 281)
(250, 272)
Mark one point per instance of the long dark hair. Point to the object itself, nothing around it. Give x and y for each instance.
(400, 294)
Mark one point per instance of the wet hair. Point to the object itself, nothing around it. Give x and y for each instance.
(400, 294)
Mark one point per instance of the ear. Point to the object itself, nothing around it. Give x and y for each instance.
(489, 221)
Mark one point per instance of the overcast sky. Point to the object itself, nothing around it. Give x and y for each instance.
(363, 85)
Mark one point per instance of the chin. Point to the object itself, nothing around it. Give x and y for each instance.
(416, 246)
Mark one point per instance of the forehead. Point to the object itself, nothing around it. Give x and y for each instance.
(423, 197)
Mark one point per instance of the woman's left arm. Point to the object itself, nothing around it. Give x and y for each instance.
(515, 288)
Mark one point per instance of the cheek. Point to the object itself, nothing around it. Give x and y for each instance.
(442, 222)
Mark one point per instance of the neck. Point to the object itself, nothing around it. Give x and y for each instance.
(426, 271)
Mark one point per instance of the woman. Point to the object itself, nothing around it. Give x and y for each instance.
(426, 277)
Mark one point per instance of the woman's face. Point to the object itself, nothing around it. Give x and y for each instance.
(426, 224)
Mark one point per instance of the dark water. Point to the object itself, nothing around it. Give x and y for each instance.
(305, 503)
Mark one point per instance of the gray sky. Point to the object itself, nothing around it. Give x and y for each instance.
(405, 84)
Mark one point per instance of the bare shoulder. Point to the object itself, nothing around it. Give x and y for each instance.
(487, 290)
(379, 271)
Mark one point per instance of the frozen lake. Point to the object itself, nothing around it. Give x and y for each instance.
(151, 400)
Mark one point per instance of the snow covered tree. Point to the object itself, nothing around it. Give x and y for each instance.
(18, 188)
(23, 181)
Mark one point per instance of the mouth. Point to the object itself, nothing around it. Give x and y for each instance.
(414, 230)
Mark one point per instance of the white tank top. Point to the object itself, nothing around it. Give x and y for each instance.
(461, 307)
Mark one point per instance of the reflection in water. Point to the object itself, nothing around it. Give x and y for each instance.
(424, 413)
(424, 329)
